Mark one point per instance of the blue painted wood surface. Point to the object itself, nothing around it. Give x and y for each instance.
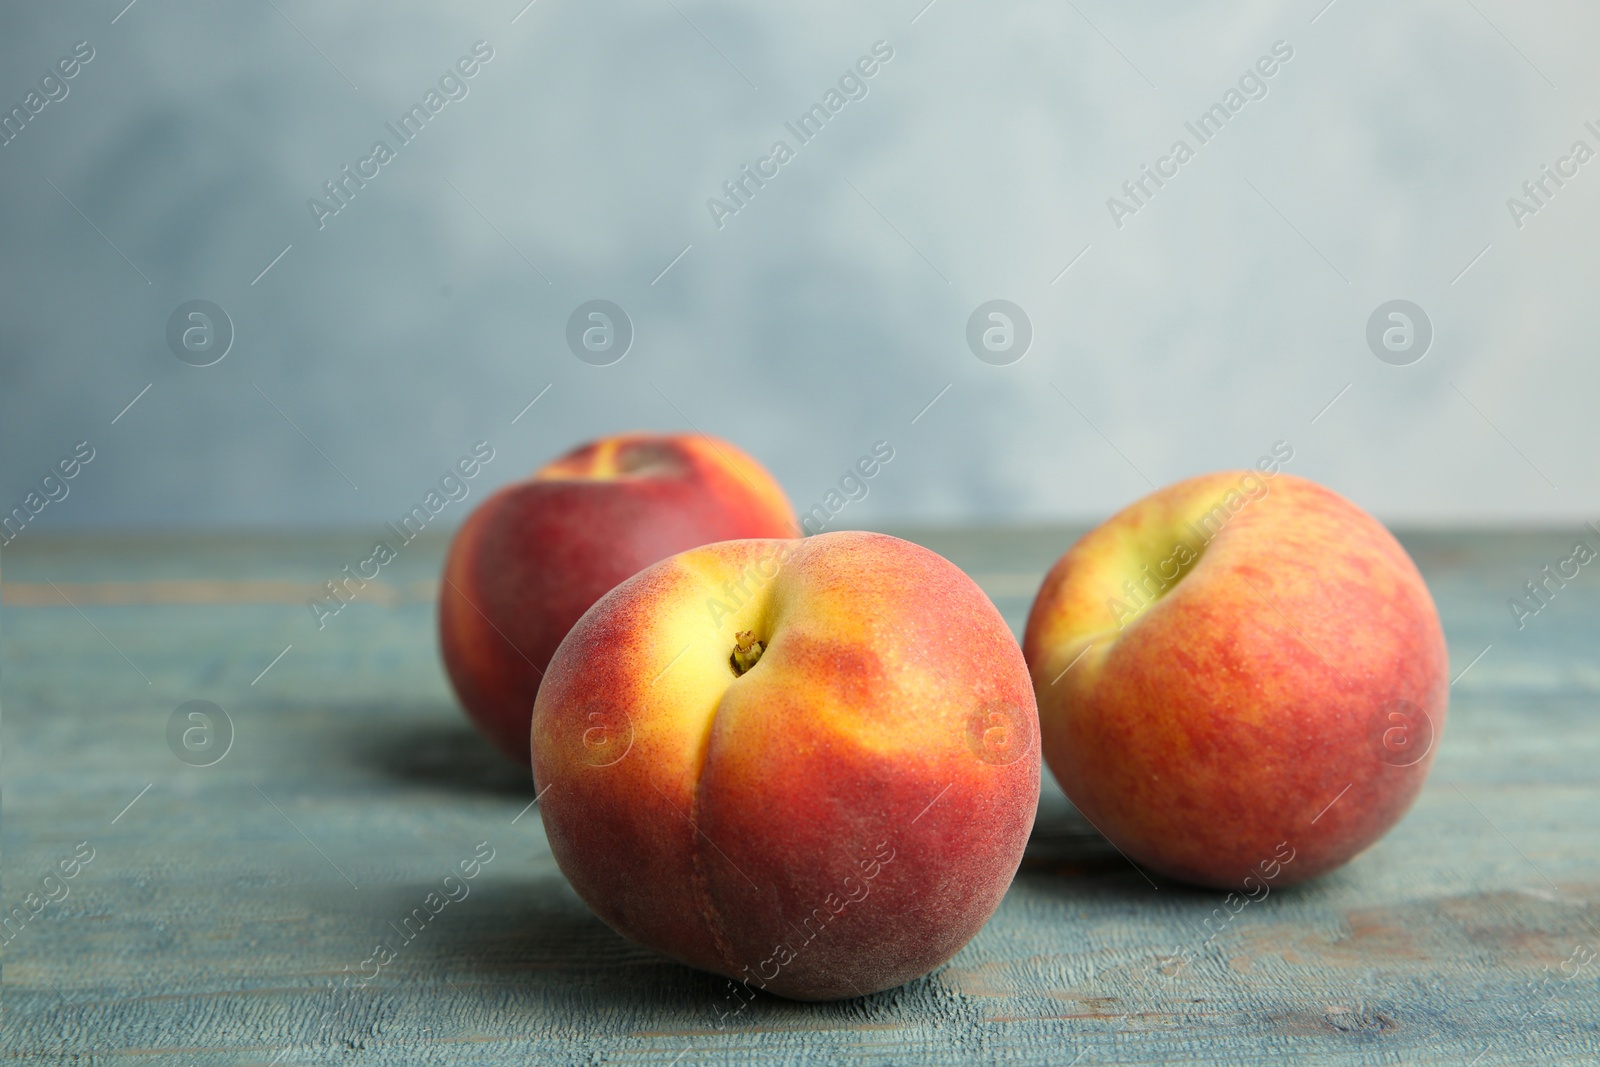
(221, 901)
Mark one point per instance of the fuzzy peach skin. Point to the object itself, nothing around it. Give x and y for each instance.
(840, 818)
(532, 558)
(1282, 695)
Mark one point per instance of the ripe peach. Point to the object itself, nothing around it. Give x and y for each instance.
(810, 766)
(1236, 669)
(536, 554)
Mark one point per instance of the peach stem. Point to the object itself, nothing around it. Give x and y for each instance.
(746, 651)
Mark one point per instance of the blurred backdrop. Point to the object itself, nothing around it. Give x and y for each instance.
(369, 314)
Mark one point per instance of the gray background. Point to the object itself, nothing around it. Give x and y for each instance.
(827, 314)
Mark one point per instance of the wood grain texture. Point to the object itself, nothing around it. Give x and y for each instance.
(218, 907)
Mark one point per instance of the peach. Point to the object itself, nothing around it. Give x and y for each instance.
(532, 558)
(810, 766)
(1239, 675)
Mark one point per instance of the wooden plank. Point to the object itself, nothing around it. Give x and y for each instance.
(219, 905)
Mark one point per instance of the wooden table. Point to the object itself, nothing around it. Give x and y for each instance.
(221, 900)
